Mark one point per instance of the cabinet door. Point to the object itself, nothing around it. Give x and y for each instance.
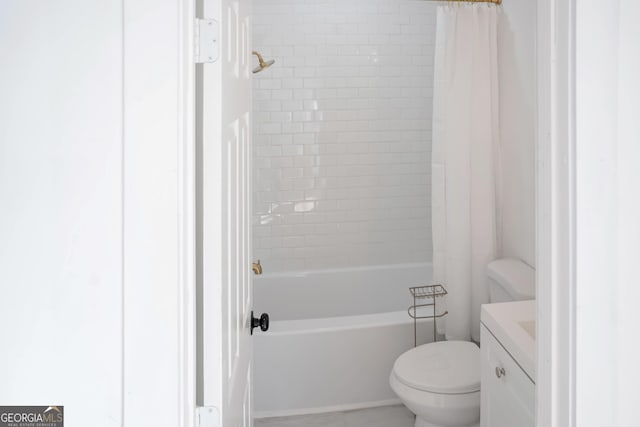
(508, 394)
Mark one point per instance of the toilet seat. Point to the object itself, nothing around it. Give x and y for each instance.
(445, 367)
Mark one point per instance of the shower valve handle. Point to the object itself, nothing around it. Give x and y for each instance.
(263, 322)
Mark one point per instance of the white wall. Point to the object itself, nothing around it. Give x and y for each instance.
(91, 234)
(607, 102)
(61, 208)
(517, 68)
(343, 132)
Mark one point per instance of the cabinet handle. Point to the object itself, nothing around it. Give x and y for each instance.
(500, 372)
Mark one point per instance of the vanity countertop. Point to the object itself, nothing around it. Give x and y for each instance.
(514, 326)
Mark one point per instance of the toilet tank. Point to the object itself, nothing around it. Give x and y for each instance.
(510, 280)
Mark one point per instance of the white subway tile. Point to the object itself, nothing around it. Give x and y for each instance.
(292, 83)
(302, 72)
(281, 139)
(292, 150)
(290, 106)
(306, 139)
(292, 127)
(270, 84)
(283, 95)
(280, 117)
(302, 94)
(293, 241)
(303, 116)
(268, 151)
(342, 132)
(281, 162)
(292, 173)
(268, 128)
(261, 94)
(263, 106)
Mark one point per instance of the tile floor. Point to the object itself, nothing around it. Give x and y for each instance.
(386, 416)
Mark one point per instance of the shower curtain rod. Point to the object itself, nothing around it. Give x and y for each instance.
(471, 1)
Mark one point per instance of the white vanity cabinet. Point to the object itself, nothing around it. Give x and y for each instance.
(507, 392)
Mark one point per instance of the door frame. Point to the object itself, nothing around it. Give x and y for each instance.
(187, 214)
(555, 259)
(159, 355)
(556, 215)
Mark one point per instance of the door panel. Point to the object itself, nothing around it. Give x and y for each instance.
(225, 121)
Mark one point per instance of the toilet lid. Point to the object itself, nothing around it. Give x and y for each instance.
(448, 367)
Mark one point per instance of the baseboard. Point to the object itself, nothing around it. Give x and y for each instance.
(324, 409)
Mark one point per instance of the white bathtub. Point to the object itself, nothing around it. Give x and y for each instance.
(333, 338)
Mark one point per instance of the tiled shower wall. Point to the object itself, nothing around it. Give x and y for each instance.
(342, 133)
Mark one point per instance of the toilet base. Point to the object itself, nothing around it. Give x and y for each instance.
(443, 410)
(422, 423)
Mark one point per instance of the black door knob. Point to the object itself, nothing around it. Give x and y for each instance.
(263, 322)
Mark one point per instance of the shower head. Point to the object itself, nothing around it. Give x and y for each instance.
(262, 64)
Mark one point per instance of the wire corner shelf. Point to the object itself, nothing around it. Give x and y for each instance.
(429, 292)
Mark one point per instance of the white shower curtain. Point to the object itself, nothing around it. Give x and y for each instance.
(465, 161)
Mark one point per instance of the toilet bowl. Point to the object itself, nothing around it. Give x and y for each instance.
(440, 383)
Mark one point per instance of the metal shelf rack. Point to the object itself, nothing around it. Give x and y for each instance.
(418, 293)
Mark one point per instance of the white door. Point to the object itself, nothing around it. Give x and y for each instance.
(225, 153)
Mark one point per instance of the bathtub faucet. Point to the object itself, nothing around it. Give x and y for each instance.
(257, 268)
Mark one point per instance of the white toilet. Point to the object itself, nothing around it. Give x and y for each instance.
(440, 381)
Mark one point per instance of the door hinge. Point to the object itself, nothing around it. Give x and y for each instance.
(207, 416)
(207, 40)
